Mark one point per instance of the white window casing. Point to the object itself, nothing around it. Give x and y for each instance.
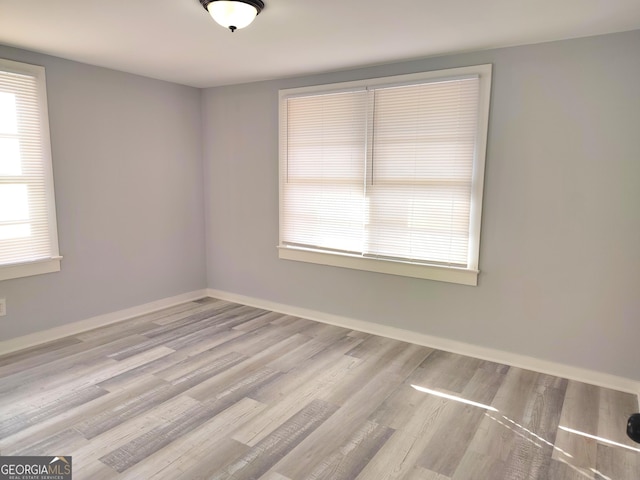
(386, 174)
(28, 231)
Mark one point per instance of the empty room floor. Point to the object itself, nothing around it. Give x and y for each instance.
(216, 390)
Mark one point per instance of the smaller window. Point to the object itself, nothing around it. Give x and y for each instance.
(386, 174)
(28, 232)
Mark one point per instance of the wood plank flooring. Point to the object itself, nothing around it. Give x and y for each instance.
(215, 390)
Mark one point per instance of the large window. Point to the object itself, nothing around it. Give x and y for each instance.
(28, 234)
(386, 174)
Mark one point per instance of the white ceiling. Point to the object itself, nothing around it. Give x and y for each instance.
(176, 40)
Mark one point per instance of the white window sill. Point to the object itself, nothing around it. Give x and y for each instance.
(461, 276)
(28, 269)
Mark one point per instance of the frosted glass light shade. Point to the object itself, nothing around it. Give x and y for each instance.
(232, 14)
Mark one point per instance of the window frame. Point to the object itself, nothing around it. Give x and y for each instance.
(51, 264)
(431, 271)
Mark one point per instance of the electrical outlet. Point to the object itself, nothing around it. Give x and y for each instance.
(3, 307)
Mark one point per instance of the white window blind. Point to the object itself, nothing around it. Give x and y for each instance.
(28, 233)
(423, 149)
(385, 170)
(324, 190)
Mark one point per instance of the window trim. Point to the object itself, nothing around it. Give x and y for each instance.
(459, 275)
(52, 264)
(425, 271)
(27, 269)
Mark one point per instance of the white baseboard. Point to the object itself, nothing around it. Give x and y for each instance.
(37, 338)
(484, 353)
(507, 358)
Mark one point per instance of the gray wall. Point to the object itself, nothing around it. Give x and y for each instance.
(560, 247)
(127, 167)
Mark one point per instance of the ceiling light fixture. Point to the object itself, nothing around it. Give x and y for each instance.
(233, 14)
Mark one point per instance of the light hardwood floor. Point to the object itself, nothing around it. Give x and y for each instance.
(216, 390)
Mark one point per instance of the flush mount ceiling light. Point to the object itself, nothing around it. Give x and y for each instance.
(233, 14)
